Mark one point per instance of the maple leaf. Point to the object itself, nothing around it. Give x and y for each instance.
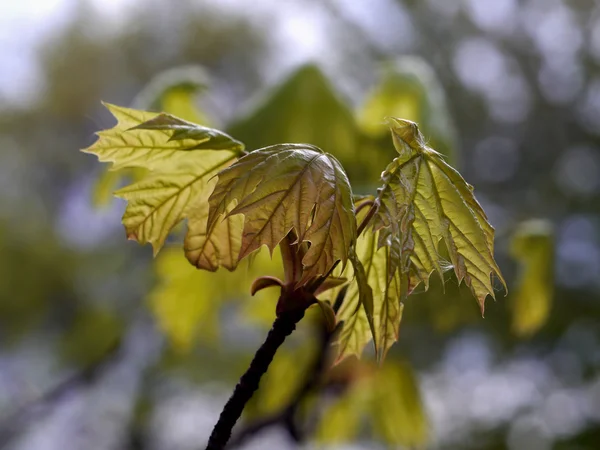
(289, 187)
(423, 201)
(181, 159)
(377, 288)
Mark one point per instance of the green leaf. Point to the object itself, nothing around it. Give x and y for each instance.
(187, 302)
(387, 398)
(183, 301)
(422, 201)
(216, 247)
(341, 420)
(175, 91)
(357, 310)
(289, 187)
(398, 414)
(378, 288)
(181, 159)
(533, 247)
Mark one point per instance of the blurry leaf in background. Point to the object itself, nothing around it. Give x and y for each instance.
(397, 409)
(103, 191)
(187, 302)
(173, 91)
(385, 397)
(409, 88)
(93, 333)
(305, 107)
(341, 420)
(182, 158)
(532, 246)
(259, 309)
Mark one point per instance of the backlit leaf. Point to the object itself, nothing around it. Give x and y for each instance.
(386, 398)
(533, 247)
(424, 200)
(357, 310)
(183, 301)
(289, 187)
(397, 409)
(172, 91)
(182, 159)
(380, 289)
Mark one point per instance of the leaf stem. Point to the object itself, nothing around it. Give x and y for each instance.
(283, 326)
(363, 205)
(368, 217)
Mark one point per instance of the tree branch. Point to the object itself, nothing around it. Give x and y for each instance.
(283, 326)
(11, 426)
(287, 416)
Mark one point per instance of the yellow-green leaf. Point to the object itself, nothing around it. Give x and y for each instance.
(341, 420)
(216, 247)
(378, 288)
(533, 247)
(181, 159)
(197, 136)
(289, 187)
(183, 301)
(187, 302)
(172, 91)
(398, 414)
(424, 200)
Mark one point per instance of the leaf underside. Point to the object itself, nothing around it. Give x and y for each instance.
(289, 187)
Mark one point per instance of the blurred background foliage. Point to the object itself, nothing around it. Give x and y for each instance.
(508, 90)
